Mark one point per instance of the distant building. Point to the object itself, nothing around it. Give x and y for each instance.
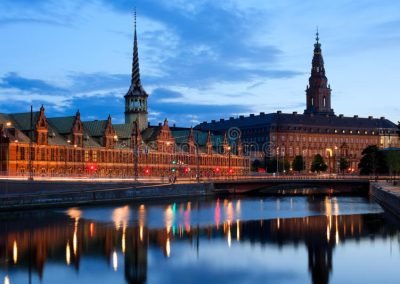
(68, 146)
(317, 131)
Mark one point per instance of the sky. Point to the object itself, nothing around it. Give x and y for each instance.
(199, 59)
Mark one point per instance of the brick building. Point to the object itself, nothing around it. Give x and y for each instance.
(68, 146)
(317, 131)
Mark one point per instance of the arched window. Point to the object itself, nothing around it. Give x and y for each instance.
(324, 102)
(312, 101)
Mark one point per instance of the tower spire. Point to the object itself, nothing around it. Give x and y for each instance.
(136, 97)
(135, 81)
(318, 92)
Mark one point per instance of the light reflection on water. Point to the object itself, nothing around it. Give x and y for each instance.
(248, 240)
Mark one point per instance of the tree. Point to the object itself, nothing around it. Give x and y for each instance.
(373, 161)
(393, 161)
(318, 165)
(298, 163)
(343, 164)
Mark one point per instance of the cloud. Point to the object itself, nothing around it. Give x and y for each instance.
(13, 80)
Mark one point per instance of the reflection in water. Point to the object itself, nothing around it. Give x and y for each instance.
(142, 220)
(121, 217)
(68, 254)
(128, 249)
(15, 252)
(115, 260)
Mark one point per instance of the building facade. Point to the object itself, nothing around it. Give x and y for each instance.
(317, 131)
(32, 144)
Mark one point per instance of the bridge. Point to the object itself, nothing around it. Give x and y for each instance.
(295, 185)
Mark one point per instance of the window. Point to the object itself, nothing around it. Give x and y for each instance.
(312, 101)
(22, 153)
(86, 155)
(324, 101)
(94, 156)
(42, 154)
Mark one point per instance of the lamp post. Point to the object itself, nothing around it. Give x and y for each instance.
(30, 168)
(135, 157)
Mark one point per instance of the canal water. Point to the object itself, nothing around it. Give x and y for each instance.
(206, 240)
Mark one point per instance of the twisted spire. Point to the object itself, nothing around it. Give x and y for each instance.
(135, 81)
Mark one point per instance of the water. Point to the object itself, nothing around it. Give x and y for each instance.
(246, 240)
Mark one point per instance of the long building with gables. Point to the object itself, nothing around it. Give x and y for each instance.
(32, 144)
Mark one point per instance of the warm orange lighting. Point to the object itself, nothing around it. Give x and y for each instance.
(168, 247)
(168, 218)
(229, 239)
(75, 242)
(91, 229)
(141, 233)
(68, 254)
(120, 216)
(74, 213)
(15, 252)
(123, 246)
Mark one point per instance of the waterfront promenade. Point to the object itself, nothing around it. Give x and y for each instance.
(17, 193)
(387, 194)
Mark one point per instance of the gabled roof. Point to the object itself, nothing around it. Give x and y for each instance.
(63, 125)
(150, 133)
(124, 131)
(95, 128)
(23, 120)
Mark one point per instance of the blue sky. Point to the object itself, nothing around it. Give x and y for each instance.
(199, 60)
